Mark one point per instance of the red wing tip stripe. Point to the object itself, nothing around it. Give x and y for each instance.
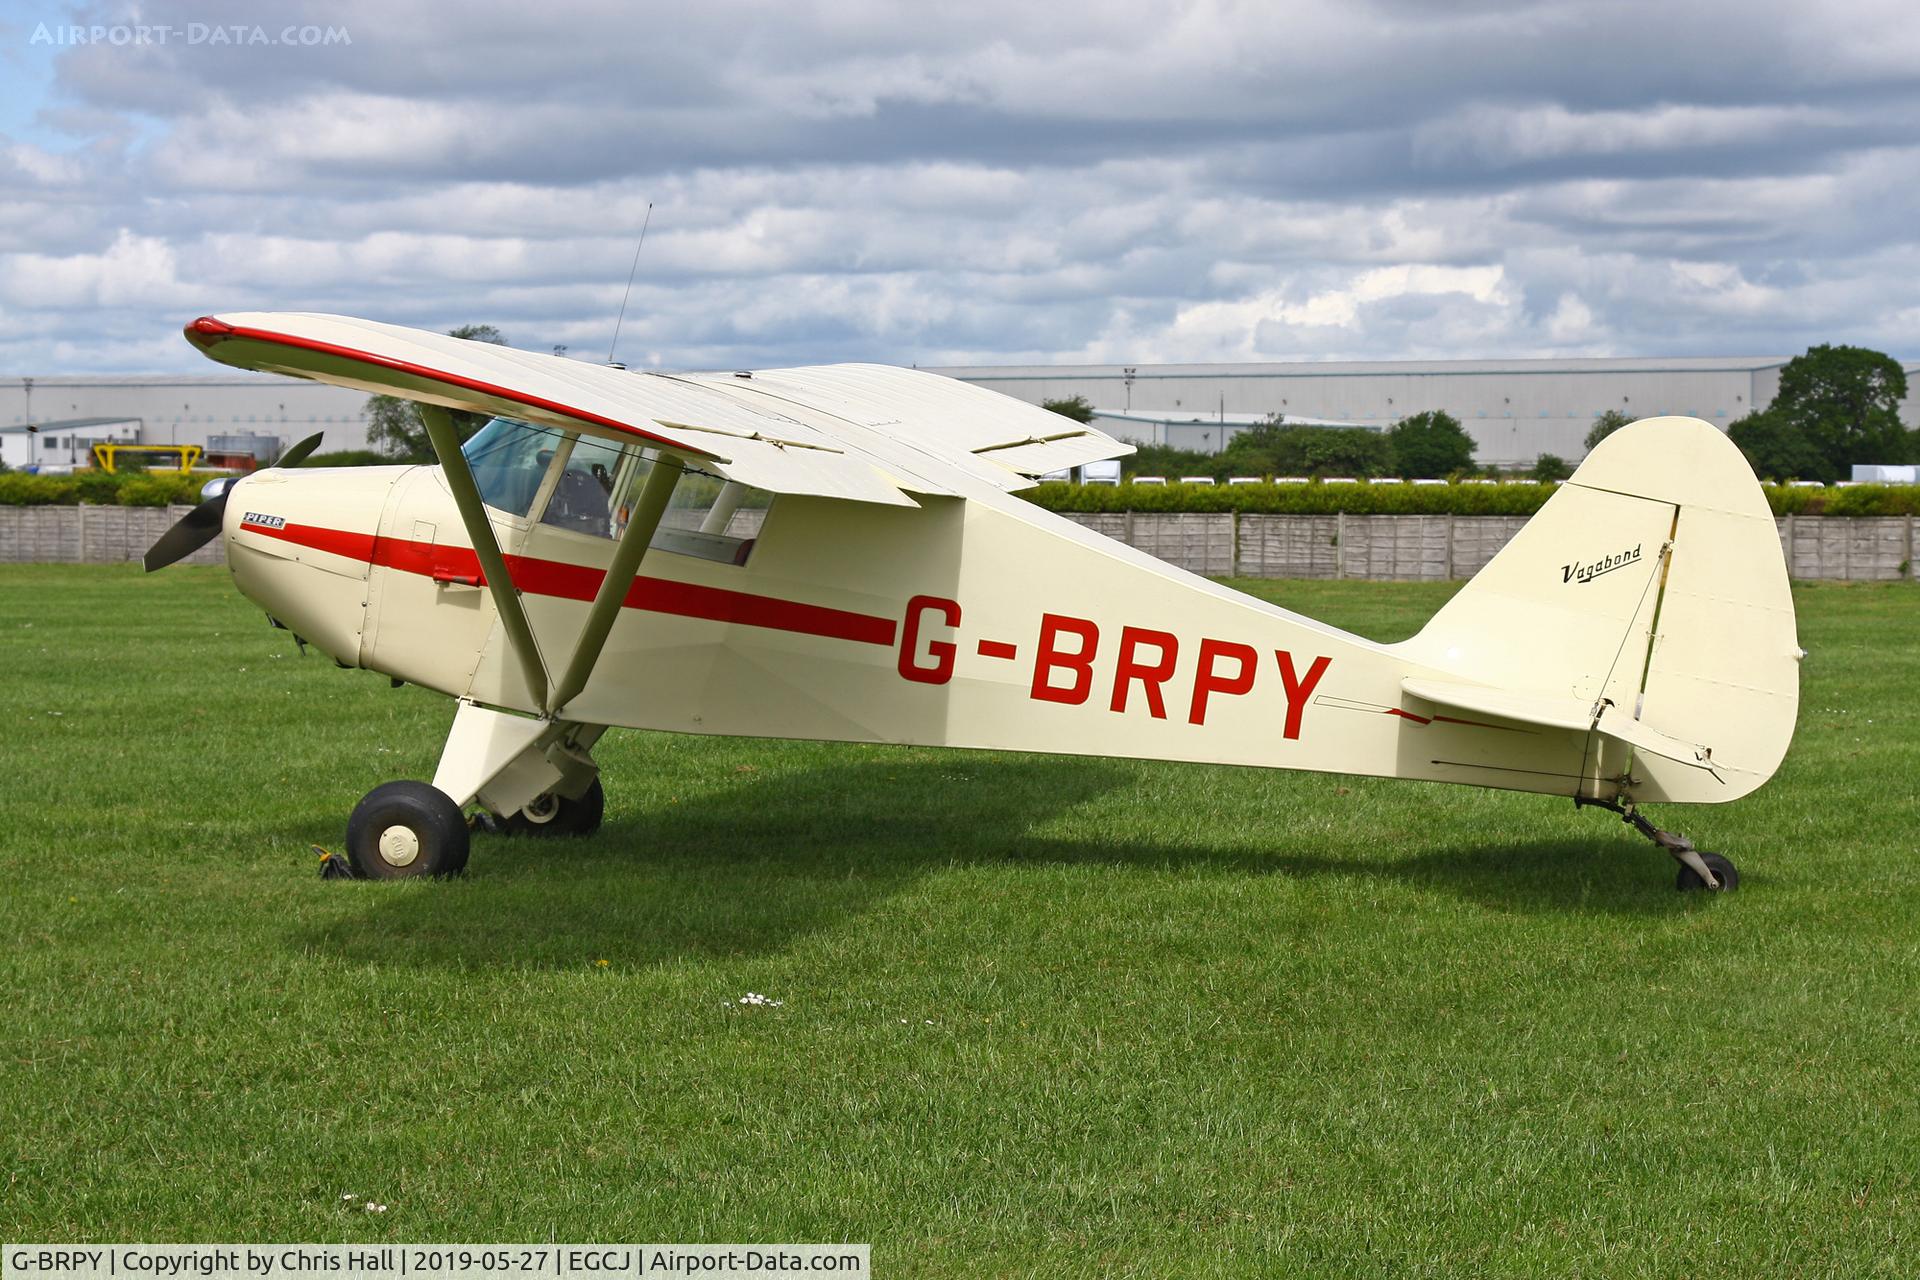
(208, 330)
(997, 649)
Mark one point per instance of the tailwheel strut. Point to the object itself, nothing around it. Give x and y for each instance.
(1698, 868)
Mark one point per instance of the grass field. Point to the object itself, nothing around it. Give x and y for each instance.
(1040, 1016)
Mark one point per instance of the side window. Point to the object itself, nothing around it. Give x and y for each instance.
(713, 519)
(583, 497)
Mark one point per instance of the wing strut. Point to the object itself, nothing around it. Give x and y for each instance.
(732, 494)
(641, 525)
(466, 496)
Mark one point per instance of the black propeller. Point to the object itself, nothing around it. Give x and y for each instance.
(201, 525)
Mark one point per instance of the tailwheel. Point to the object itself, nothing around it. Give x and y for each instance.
(406, 829)
(1698, 869)
(1724, 872)
(555, 815)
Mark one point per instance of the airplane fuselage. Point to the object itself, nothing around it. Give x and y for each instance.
(980, 621)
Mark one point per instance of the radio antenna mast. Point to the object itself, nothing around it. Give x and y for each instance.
(647, 221)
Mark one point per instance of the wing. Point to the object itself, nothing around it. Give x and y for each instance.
(859, 432)
(945, 426)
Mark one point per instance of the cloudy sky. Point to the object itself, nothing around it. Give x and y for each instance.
(967, 183)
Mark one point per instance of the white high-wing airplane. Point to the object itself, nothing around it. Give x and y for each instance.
(588, 559)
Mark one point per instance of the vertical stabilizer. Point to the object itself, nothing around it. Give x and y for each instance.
(1653, 587)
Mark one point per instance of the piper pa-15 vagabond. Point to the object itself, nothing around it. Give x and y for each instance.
(835, 553)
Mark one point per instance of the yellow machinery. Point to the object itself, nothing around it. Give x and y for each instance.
(105, 455)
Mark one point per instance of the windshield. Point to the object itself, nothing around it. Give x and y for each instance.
(508, 458)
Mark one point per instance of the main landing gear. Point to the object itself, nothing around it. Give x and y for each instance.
(553, 814)
(405, 829)
(1698, 869)
(527, 777)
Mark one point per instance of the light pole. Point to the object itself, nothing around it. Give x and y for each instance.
(1128, 371)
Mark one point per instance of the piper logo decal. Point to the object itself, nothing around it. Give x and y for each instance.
(264, 521)
(1577, 572)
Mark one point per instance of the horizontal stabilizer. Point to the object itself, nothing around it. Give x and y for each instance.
(1555, 711)
(1547, 710)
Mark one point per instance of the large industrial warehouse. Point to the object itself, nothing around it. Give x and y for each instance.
(1514, 409)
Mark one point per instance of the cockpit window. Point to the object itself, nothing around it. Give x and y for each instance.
(519, 467)
(583, 490)
(568, 481)
(508, 459)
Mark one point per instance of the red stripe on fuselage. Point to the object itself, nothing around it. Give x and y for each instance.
(581, 582)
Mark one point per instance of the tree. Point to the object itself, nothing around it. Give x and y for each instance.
(1549, 467)
(1605, 424)
(1165, 460)
(1075, 407)
(1429, 445)
(1274, 448)
(1778, 450)
(394, 425)
(1845, 402)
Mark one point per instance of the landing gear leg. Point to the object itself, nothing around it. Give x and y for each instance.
(1698, 869)
(529, 776)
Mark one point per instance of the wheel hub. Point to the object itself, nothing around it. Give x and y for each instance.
(399, 845)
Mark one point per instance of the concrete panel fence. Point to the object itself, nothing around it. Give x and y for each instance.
(1437, 548)
(1380, 548)
(91, 535)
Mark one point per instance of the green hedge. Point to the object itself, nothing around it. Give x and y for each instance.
(1316, 498)
(98, 488)
(1857, 500)
(157, 489)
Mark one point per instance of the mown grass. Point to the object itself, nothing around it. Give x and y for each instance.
(1041, 1016)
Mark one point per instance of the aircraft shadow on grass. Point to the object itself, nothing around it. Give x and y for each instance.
(747, 869)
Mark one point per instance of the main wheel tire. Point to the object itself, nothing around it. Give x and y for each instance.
(1723, 871)
(555, 815)
(405, 829)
